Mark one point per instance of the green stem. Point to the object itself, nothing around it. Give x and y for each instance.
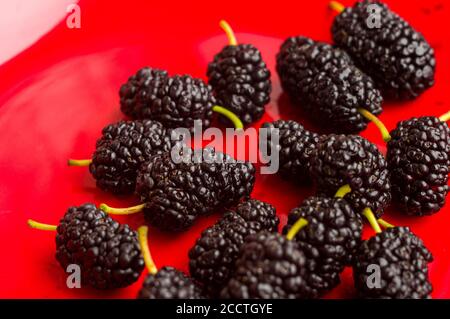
(145, 251)
(445, 117)
(375, 120)
(337, 6)
(229, 32)
(367, 212)
(299, 224)
(343, 190)
(81, 162)
(384, 223)
(229, 115)
(122, 211)
(41, 226)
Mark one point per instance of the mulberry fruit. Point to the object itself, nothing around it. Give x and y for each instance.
(175, 194)
(240, 80)
(108, 253)
(169, 283)
(122, 149)
(269, 266)
(294, 147)
(212, 258)
(338, 160)
(396, 56)
(324, 81)
(403, 261)
(329, 240)
(140, 91)
(419, 157)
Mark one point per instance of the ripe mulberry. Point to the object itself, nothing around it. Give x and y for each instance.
(419, 157)
(269, 266)
(403, 261)
(324, 81)
(399, 59)
(175, 194)
(241, 81)
(122, 149)
(294, 148)
(107, 252)
(329, 240)
(338, 160)
(212, 258)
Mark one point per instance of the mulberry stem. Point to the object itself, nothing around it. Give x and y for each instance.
(122, 211)
(41, 226)
(384, 223)
(145, 251)
(79, 162)
(229, 32)
(375, 120)
(299, 224)
(343, 190)
(229, 115)
(337, 6)
(445, 117)
(367, 212)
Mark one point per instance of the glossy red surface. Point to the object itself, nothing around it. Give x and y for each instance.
(56, 95)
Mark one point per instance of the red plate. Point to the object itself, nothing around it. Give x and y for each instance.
(57, 94)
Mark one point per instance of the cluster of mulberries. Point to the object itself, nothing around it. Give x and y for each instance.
(401, 262)
(175, 101)
(419, 158)
(212, 258)
(324, 81)
(176, 192)
(329, 240)
(396, 56)
(338, 160)
(241, 81)
(107, 252)
(122, 149)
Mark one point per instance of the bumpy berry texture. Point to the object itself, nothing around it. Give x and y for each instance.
(419, 157)
(338, 160)
(139, 92)
(403, 260)
(212, 258)
(329, 240)
(326, 84)
(108, 253)
(396, 56)
(269, 266)
(294, 147)
(122, 149)
(177, 193)
(241, 81)
(169, 283)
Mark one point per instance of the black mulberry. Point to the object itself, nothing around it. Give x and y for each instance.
(399, 59)
(403, 261)
(294, 148)
(329, 240)
(419, 157)
(175, 194)
(212, 258)
(338, 160)
(324, 81)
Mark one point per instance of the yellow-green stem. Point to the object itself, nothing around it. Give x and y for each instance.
(384, 223)
(41, 226)
(445, 117)
(229, 32)
(375, 120)
(337, 6)
(229, 115)
(343, 190)
(367, 212)
(299, 224)
(145, 251)
(79, 162)
(122, 211)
